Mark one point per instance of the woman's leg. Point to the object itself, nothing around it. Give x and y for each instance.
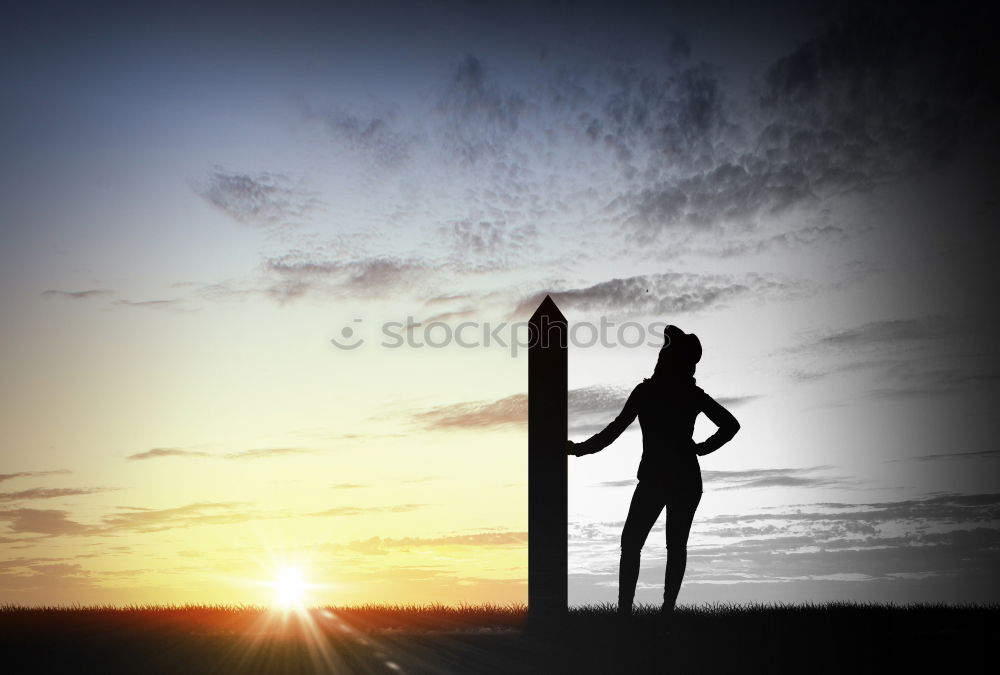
(647, 503)
(680, 515)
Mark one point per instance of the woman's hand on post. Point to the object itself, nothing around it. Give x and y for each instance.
(571, 448)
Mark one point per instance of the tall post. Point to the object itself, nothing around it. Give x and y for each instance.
(547, 495)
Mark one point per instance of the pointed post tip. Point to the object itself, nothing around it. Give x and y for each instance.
(548, 307)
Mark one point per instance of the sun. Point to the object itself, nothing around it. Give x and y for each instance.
(289, 588)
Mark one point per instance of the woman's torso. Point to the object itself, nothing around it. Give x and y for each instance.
(667, 414)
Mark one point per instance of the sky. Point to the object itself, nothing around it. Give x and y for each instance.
(265, 268)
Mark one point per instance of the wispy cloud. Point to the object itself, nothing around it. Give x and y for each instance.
(299, 273)
(758, 478)
(52, 522)
(257, 453)
(167, 452)
(364, 510)
(480, 117)
(77, 295)
(952, 456)
(47, 493)
(261, 199)
(170, 304)
(664, 294)
(261, 453)
(31, 474)
(138, 519)
(508, 411)
(382, 546)
(373, 135)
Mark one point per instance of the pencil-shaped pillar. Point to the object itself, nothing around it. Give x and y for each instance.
(547, 496)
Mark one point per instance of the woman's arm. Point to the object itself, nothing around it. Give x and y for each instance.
(722, 418)
(604, 438)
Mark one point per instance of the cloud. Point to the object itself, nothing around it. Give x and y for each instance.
(905, 358)
(172, 304)
(379, 276)
(495, 240)
(374, 135)
(758, 478)
(77, 295)
(381, 546)
(30, 474)
(52, 522)
(260, 200)
(508, 411)
(47, 493)
(257, 453)
(479, 117)
(363, 510)
(952, 456)
(945, 538)
(589, 408)
(349, 486)
(663, 294)
(877, 90)
(261, 453)
(138, 519)
(891, 333)
(167, 452)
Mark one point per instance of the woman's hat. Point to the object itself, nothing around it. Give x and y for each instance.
(687, 344)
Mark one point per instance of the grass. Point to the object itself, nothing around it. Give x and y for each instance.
(766, 638)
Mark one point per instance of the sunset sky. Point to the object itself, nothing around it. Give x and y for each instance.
(197, 200)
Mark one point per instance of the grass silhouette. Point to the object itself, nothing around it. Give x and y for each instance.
(486, 638)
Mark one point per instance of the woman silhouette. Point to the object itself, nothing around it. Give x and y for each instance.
(669, 475)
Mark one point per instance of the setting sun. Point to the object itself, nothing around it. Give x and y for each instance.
(289, 588)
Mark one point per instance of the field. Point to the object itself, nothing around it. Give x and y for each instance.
(495, 639)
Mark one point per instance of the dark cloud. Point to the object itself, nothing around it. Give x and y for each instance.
(906, 358)
(76, 295)
(171, 304)
(626, 482)
(953, 456)
(495, 239)
(30, 474)
(883, 88)
(367, 277)
(52, 522)
(954, 508)
(757, 478)
(261, 200)
(167, 452)
(902, 548)
(374, 136)
(892, 333)
(664, 294)
(589, 408)
(480, 118)
(47, 493)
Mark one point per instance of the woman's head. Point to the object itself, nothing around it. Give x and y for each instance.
(679, 355)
